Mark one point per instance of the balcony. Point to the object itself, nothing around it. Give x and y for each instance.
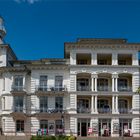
(83, 88)
(18, 90)
(104, 88)
(51, 110)
(125, 111)
(123, 89)
(83, 59)
(18, 112)
(104, 110)
(45, 90)
(18, 109)
(83, 110)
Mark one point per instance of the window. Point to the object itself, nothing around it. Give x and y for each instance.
(59, 126)
(43, 82)
(18, 82)
(43, 104)
(20, 126)
(58, 83)
(18, 103)
(43, 124)
(59, 103)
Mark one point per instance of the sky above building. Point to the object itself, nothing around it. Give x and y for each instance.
(38, 28)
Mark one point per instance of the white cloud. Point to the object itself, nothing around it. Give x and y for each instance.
(28, 1)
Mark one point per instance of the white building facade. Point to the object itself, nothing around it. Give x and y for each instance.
(91, 92)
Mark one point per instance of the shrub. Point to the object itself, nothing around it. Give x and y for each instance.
(72, 138)
(53, 137)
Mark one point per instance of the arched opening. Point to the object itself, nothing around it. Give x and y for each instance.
(83, 82)
(125, 82)
(104, 82)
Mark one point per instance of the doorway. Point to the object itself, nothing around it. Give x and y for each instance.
(83, 125)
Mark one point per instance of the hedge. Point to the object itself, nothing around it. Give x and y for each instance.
(53, 138)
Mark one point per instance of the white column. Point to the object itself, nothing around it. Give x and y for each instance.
(113, 84)
(95, 86)
(92, 84)
(135, 59)
(94, 59)
(116, 84)
(113, 104)
(95, 103)
(73, 57)
(92, 104)
(114, 59)
(116, 104)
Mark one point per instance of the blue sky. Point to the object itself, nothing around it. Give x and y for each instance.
(38, 28)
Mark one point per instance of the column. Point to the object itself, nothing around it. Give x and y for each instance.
(114, 59)
(113, 104)
(94, 59)
(116, 87)
(135, 59)
(92, 104)
(73, 57)
(95, 85)
(112, 84)
(116, 104)
(92, 84)
(96, 104)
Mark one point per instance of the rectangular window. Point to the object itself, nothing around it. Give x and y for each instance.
(59, 103)
(18, 103)
(43, 104)
(43, 124)
(18, 82)
(43, 82)
(20, 126)
(58, 83)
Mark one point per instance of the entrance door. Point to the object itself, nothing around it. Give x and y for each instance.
(83, 125)
(83, 129)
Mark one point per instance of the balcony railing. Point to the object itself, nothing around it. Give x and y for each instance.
(104, 110)
(83, 110)
(51, 88)
(51, 110)
(104, 88)
(83, 88)
(125, 111)
(18, 109)
(122, 88)
(18, 88)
